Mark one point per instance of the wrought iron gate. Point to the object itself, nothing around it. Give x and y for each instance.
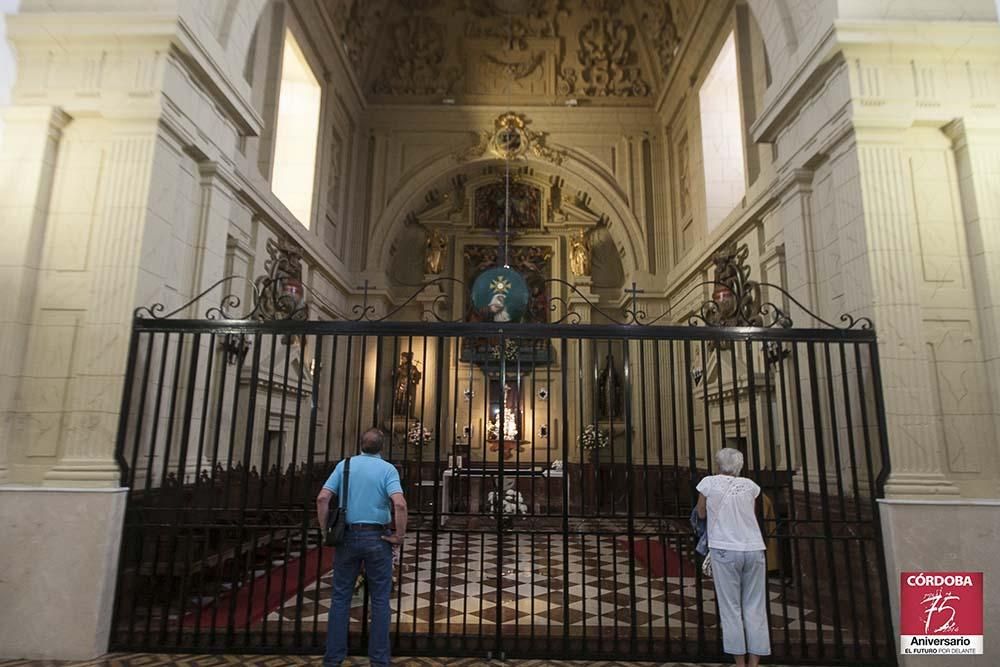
(549, 470)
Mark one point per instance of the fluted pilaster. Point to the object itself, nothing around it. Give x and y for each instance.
(86, 448)
(27, 165)
(886, 225)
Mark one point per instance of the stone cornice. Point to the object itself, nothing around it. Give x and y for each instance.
(786, 101)
(895, 41)
(156, 32)
(231, 96)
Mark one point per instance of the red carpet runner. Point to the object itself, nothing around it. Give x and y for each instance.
(658, 558)
(261, 603)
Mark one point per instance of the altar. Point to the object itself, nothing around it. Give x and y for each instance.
(464, 491)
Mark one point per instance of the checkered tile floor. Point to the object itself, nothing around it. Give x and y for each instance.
(536, 578)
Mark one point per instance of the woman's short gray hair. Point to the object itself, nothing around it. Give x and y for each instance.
(729, 461)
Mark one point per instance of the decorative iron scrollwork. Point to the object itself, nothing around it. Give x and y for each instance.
(736, 299)
(222, 311)
(364, 311)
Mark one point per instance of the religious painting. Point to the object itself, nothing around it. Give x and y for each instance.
(525, 206)
(500, 295)
(532, 263)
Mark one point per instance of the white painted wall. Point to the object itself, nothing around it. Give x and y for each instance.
(8, 66)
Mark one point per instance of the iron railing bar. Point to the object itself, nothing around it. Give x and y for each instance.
(824, 495)
(297, 627)
(630, 493)
(264, 474)
(172, 530)
(181, 469)
(518, 330)
(435, 498)
(835, 437)
(140, 416)
(244, 491)
(287, 344)
(216, 441)
(880, 481)
(755, 449)
(564, 434)
(772, 451)
(709, 462)
(806, 486)
(646, 484)
(859, 374)
(693, 493)
(307, 482)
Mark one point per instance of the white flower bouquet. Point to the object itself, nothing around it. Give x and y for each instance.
(511, 502)
(417, 435)
(593, 438)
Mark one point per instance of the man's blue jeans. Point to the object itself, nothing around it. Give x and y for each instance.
(360, 547)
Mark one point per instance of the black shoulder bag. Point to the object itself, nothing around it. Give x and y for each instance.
(336, 525)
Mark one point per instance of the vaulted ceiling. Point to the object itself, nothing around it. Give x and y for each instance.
(598, 52)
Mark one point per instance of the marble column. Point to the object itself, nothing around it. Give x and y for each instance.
(977, 157)
(881, 268)
(27, 168)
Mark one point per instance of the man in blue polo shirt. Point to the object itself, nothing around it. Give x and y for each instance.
(372, 486)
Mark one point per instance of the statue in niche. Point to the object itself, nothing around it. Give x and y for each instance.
(405, 380)
(437, 248)
(579, 254)
(609, 391)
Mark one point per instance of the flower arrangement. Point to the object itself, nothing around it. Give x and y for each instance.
(511, 502)
(418, 435)
(593, 438)
(509, 427)
(510, 350)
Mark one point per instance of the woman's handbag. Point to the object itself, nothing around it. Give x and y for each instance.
(336, 525)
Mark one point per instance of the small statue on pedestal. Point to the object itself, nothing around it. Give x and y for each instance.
(437, 247)
(579, 254)
(609, 391)
(405, 380)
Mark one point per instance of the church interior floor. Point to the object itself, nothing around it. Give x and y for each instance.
(160, 660)
(540, 579)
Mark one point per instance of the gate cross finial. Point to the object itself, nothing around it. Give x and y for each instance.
(364, 309)
(634, 313)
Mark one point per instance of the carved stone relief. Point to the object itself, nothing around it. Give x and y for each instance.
(357, 22)
(661, 32)
(527, 48)
(608, 62)
(683, 178)
(417, 63)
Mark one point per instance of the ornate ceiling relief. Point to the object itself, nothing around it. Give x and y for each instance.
(417, 62)
(608, 60)
(513, 21)
(519, 51)
(661, 32)
(357, 22)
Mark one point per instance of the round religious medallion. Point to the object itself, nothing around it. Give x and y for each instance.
(500, 295)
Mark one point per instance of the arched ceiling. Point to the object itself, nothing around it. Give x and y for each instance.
(598, 52)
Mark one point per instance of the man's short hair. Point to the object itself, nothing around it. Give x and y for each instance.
(372, 441)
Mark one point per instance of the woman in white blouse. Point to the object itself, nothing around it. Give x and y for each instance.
(738, 558)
